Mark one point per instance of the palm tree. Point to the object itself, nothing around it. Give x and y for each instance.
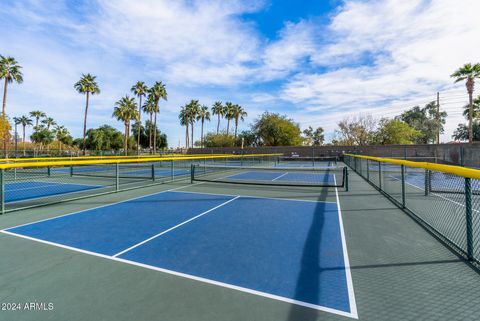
(218, 109)
(184, 121)
(476, 109)
(149, 108)
(24, 121)
(158, 91)
(60, 134)
(227, 113)
(140, 90)
(37, 114)
(468, 72)
(238, 113)
(86, 85)
(203, 114)
(192, 110)
(10, 71)
(125, 110)
(49, 122)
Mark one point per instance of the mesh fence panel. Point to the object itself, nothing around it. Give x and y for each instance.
(446, 203)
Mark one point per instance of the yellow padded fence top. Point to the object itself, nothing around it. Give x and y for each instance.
(450, 169)
(121, 161)
(64, 158)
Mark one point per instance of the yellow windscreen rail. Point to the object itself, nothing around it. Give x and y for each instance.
(450, 169)
(120, 160)
(36, 159)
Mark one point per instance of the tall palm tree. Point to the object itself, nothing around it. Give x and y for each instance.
(193, 108)
(24, 121)
(218, 109)
(10, 71)
(203, 114)
(149, 108)
(125, 110)
(49, 121)
(468, 72)
(227, 113)
(158, 91)
(238, 113)
(37, 114)
(184, 121)
(139, 90)
(86, 85)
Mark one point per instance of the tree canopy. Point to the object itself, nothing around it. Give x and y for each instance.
(273, 129)
(425, 120)
(395, 131)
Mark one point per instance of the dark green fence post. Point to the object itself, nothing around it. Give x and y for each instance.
(117, 177)
(427, 182)
(2, 191)
(368, 170)
(468, 212)
(380, 175)
(403, 186)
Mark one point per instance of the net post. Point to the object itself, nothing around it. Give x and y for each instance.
(2, 191)
(117, 177)
(403, 186)
(345, 175)
(468, 216)
(49, 171)
(172, 169)
(192, 170)
(71, 170)
(153, 171)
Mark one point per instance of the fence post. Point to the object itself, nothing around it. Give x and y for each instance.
(403, 186)
(192, 170)
(117, 177)
(427, 182)
(380, 175)
(172, 168)
(368, 170)
(2, 191)
(468, 212)
(153, 171)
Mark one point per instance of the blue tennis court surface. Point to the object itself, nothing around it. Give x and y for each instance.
(284, 176)
(20, 191)
(287, 250)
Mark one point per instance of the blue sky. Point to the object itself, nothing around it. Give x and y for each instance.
(316, 61)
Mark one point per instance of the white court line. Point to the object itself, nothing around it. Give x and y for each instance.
(174, 227)
(351, 294)
(101, 206)
(188, 276)
(279, 176)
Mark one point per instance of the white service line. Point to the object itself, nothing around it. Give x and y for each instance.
(279, 176)
(174, 227)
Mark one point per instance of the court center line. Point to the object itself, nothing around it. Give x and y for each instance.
(174, 227)
(279, 176)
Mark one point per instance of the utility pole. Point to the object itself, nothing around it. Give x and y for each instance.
(438, 118)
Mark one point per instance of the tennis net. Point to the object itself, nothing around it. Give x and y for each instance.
(274, 176)
(285, 161)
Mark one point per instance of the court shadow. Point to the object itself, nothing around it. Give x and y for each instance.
(310, 267)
